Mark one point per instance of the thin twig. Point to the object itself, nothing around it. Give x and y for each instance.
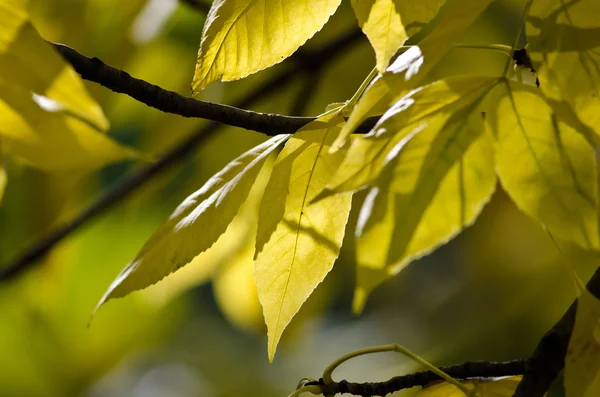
(479, 369)
(312, 61)
(119, 81)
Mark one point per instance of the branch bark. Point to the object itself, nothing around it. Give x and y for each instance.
(483, 369)
(307, 61)
(93, 69)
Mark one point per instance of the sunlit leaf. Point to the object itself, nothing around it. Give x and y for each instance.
(564, 45)
(51, 139)
(241, 37)
(434, 183)
(46, 116)
(367, 155)
(196, 224)
(298, 241)
(582, 367)
(389, 23)
(29, 62)
(547, 168)
(492, 387)
(412, 66)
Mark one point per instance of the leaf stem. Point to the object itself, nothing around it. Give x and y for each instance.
(517, 37)
(503, 48)
(327, 374)
(363, 87)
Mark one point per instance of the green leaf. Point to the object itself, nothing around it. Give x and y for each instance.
(367, 155)
(434, 183)
(389, 23)
(564, 45)
(547, 168)
(242, 37)
(196, 224)
(410, 68)
(297, 241)
(582, 367)
(492, 387)
(46, 116)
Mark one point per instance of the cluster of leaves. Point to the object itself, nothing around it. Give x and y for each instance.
(429, 165)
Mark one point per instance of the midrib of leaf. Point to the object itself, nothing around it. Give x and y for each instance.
(540, 170)
(287, 281)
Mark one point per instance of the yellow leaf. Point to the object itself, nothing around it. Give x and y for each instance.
(547, 168)
(434, 182)
(46, 115)
(457, 203)
(29, 62)
(367, 155)
(196, 224)
(565, 49)
(241, 37)
(492, 387)
(224, 260)
(582, 367)
(51, 140)
(412, 66)
(297, 242)
(389, 23)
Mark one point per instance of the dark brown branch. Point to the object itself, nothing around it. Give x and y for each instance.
(95, 70)
(480, 369)
(548, 359)
(313, 61)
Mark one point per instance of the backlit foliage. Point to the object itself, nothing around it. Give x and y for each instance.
(428, 166)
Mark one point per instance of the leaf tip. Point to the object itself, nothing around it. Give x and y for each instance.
(359, 301)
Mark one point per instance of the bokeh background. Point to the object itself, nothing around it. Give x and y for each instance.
(488, 295)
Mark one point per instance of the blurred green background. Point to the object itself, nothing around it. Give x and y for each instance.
(488, 295)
